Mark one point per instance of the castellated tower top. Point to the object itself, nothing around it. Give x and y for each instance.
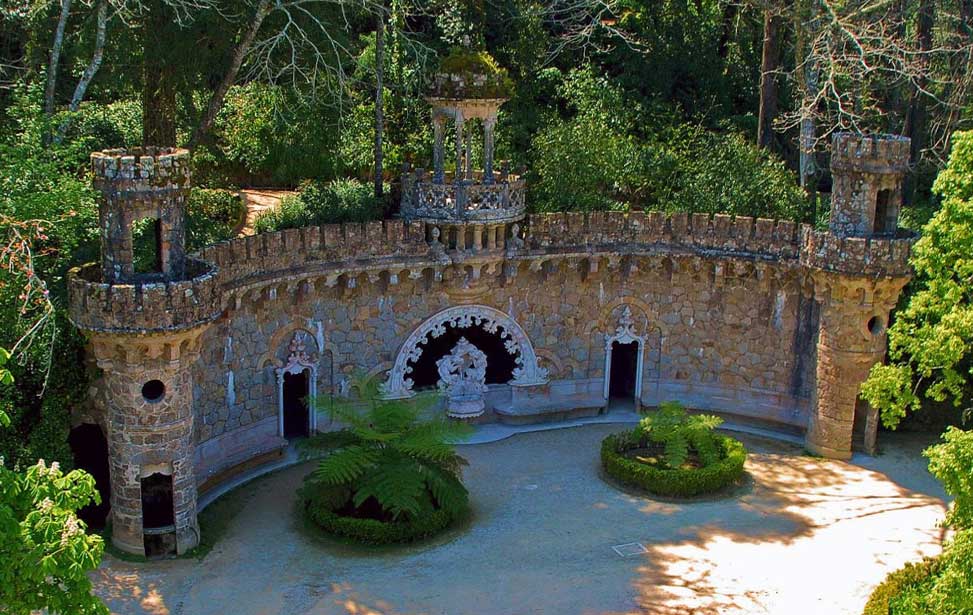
(868, 171)
(144, 193)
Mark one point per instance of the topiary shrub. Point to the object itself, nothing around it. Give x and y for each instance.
(682, 454)
(392, 476)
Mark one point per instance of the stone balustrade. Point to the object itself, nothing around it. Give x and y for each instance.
(477, 199)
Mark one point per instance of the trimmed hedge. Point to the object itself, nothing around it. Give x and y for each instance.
(896, 583)
(678, 482)
(373, 532)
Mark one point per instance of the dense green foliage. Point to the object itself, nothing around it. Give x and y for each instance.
(679, 482)
(372, 531)
(951, 462)
(615, 165)
(391, 466)
(341, 200)
(212, 215)
(931, 339)
(905, 579)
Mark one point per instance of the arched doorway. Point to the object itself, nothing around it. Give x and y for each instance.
(297, 389)
(624, 352)
(90, 451)
(295, 395)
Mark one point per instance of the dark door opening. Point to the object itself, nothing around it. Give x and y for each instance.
(158, 516)
(623, 370)
(296, 391)
(881, 223)
(90, 450)
(500, 363)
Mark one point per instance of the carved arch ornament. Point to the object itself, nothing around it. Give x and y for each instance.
(299, 360)
(527, 372)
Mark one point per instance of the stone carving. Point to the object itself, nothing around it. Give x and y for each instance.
(491, 320)
(624, 334)
(298, 359)
(462, 378)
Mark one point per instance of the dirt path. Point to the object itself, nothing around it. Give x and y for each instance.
(805, 536)
(259, 200)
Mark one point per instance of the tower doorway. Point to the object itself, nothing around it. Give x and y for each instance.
(90, 451)
(158, 515)
(296, 391)
(623, 370)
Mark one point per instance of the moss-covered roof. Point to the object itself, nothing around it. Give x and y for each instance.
(465, 74)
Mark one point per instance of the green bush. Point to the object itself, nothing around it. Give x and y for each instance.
(896, 583)
(681, 433)
(933, 586)
(341, 200)
(951, 462)
(374, 532)
(680, 482)
(212, 215)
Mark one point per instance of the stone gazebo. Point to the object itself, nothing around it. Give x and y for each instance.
(468, 90)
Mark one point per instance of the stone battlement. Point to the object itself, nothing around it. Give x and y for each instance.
(885, 154)
(761, 236)
(143, 306)
(870, 256)
(135, 171)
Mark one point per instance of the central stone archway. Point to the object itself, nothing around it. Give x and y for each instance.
(527, 372)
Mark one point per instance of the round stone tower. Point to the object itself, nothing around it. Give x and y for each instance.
(858, 269)
(145, 327)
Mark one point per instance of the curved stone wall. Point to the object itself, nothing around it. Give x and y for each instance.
(720, 302)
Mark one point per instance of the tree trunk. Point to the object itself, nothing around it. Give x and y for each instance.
(55, 59)
(89, 71)
(807, 23)
(726, 33)
(230, 76)
(379, 97)
(769, 64)
(915, 120)
(158, 77)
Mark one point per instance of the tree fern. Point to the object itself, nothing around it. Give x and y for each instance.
(390, 454)
(680, 433)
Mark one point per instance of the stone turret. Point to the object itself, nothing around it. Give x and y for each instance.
(858, 269)
(145, 329)
(868, 172)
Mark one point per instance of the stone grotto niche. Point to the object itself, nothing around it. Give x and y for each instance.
(411, 370)
(297, 387)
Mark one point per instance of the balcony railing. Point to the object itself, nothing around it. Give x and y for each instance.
(469, 200)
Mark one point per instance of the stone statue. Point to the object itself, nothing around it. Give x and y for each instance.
(462, 377)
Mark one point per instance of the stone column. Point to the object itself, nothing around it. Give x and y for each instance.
(491, 237)
(150, 430)
(439, 136)
(851, 339)
(488, 127)
(477, 237)
(468, 158)
(459, 146)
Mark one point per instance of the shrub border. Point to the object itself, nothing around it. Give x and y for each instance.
(680, 482)
(896, 582)
(374, 532)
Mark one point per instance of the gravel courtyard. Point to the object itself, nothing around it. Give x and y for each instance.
(804, 535)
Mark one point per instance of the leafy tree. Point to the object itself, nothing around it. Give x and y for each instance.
(931, 340)
(951, 461)
(681, 433)
(45, 554)
(391, 456)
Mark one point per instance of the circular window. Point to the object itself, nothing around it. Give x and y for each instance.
(153, 391)
(875, 325)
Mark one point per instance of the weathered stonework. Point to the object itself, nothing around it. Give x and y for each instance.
(750, 317)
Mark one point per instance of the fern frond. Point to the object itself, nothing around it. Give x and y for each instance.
(706, 445)
(676, 449)
(396, 486)
(449, 492)
(345, 465)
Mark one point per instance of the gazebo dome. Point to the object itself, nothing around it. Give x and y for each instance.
(466, 75)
